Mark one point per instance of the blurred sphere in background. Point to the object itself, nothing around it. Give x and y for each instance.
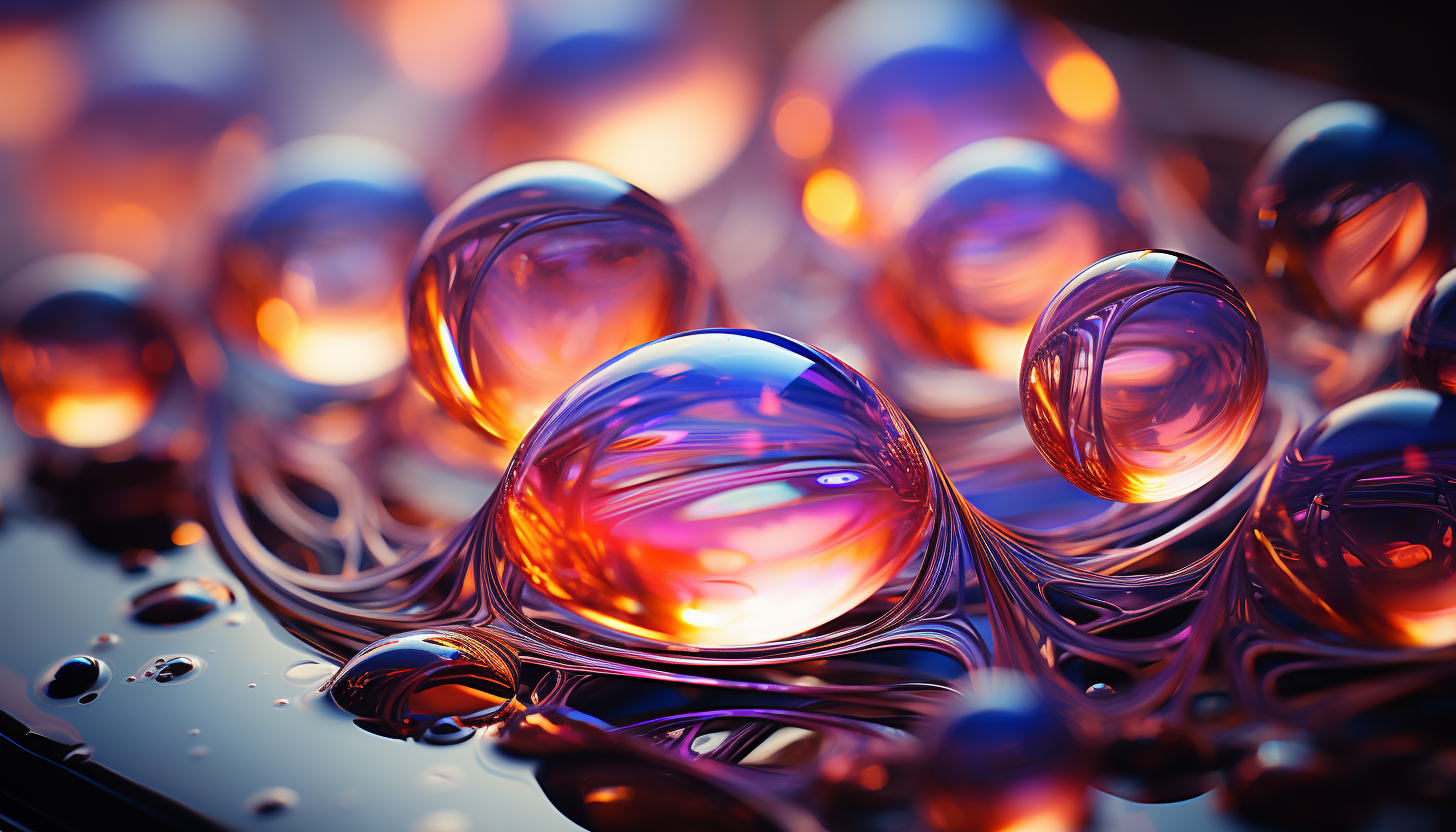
(311, 276)
(83, 360)
(1348, 215)
(664, 95)
(1002, 224)
(1430, 340)
(879, 90)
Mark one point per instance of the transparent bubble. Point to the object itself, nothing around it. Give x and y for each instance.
(690, 489)
(879, 90)
(72, 680)
(311, 277)
(1143, 377)
(1347, 215)
(1355, 534)
(534, 277)
(84, 361)
(403, 685)
(1430, 340)
(1002, 225)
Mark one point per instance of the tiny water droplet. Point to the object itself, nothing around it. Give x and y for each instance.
(88, 698)
(105, 640)
(131, 678)
(307, 672)
(280, 703)
(197, 752)
(194, 732)
(251, 685)
(233, 620)
(146, 673)
(73, 679)
(271, 801)
(1101, 690)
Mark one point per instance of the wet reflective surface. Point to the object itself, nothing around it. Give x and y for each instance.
(1143, 377)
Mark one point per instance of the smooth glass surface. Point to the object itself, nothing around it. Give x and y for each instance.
(1430, 340)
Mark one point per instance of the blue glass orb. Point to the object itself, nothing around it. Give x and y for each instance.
(1347, 215)
(1430, 340)
(1355, 533)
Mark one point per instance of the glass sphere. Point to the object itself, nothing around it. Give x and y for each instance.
(534, 277)
(1143, 377)
(718, 487)
(311, 278)
(1355, 534)
(1347, 215)
(879, 90)
(1430, 340)
(84, 363)
(1003, 224)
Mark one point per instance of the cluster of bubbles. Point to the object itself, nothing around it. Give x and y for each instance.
(740, 514)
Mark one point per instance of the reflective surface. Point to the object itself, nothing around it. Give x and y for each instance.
(1355, 531)
(1002, 225)
(1430, 340)
(690, 490)
(534, 277)
(1347, 215)
(310, 278)
(83, 361)
(1143, 377)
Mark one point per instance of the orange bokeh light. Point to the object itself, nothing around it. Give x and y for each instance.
(1082, 86)
(833, 204)
(445, 47)
(802, 124)
(41, 76)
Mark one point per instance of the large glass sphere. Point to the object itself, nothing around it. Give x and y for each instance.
(534, 277)
(1143, 377)
(83, 361)
(718, 487)
(311, 277)
(1430, 340)
(1355, 534)
(1002, 224)
(1348, 215)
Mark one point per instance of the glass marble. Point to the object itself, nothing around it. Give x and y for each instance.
(311, 276)
(1347, 215)
(1355, 533)
(534, 277)
(1002, 224)
(86, 362)
(1143, 377)
(1429, 357)
(718, 487)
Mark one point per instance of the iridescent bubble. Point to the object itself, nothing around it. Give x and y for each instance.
(310, 278)
(404, 685)
(1355, 532)
(1004, 761)
(674, 493)
(180, 601)
(535, 276)
(84, 361)
(1143, 377)
(1347, 215)
(1001, 225)
(1430, 340)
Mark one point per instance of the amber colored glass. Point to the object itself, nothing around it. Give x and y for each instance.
(719, 487)
(533, 278)
(1143, 377)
